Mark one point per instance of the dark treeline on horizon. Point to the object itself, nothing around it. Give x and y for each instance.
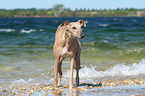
(60, 11)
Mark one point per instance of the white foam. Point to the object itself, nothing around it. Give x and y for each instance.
(41, 30)
(7, 30)
(104, 25)
(117, 70)
(86, 22)
(27, 31)
(22, 82)
(88, 74)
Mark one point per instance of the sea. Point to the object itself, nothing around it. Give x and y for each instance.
(113, 48)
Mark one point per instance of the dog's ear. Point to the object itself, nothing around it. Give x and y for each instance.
(65, 23)
(82, 22)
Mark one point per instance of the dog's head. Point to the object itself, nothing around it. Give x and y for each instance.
(75, 28)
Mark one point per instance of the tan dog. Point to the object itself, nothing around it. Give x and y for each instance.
(67, 45)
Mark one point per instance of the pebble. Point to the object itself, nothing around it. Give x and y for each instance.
(45, 94)
(87, 87)
(62, 90)
(4, 91)
(118, 90)
(54, 92)
(20, 89)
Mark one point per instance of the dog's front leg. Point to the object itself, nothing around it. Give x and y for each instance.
(56, 72)
(71, 74)
(60, 71)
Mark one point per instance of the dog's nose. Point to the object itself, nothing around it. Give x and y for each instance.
(82, 35)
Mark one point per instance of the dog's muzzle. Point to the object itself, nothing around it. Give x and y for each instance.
(82, 35)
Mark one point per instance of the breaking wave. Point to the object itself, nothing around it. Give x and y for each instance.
(27, 31)
(7, 30)
(117, 70)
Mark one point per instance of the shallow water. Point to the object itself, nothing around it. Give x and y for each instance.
(113, 47)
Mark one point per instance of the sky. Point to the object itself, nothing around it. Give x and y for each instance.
(72, 4)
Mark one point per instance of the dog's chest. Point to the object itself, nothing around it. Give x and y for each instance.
(66, 51)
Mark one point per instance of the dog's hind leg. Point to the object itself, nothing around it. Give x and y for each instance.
(77, 67)
(60, 71)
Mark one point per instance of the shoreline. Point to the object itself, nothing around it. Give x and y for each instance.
(108, 87)
(67, 16)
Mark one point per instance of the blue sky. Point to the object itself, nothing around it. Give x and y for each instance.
(72, 4)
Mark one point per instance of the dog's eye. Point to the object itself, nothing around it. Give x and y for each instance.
(74, 28)
(82, 26)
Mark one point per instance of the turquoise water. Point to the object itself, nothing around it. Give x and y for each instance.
(113, 47)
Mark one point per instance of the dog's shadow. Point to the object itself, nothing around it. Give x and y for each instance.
(78, 92)
(89, 84)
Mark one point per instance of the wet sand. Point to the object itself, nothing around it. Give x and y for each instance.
(122, 87)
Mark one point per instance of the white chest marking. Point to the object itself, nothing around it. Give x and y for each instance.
(65, 52)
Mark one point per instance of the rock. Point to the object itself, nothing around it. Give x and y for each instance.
(4, 91)
(54, 92)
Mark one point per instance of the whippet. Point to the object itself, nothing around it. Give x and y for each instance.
(67, 45)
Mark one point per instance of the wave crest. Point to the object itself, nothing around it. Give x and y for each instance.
(27, 31)
(101, 44)
(117, 70)
(7, 30)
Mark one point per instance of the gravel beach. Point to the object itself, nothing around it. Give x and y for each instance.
(126, 87)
